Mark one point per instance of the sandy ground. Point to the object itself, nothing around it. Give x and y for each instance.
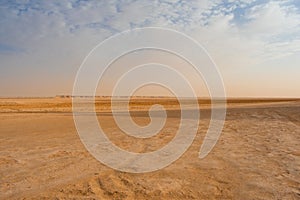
(256, 157)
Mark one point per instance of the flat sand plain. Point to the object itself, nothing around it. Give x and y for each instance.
(256, 157)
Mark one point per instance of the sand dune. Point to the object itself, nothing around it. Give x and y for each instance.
(256, 157)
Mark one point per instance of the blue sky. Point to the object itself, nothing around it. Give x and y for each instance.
(256, 44)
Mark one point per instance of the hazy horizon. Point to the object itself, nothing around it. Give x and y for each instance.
(156, 96)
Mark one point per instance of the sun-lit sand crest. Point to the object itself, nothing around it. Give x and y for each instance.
(256, 157)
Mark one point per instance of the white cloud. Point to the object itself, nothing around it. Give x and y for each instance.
(237, 34)
(272, 19)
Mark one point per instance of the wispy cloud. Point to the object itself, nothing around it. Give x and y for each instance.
(240, 33)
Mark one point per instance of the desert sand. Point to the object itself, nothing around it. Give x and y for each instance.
(256, 157)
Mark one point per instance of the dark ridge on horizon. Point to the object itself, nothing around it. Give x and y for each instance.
(228, 99)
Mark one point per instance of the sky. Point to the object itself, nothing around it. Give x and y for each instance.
(254, 43)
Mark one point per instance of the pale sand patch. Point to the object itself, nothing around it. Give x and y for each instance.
(257, 156)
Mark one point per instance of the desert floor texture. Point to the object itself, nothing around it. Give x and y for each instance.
(256, 157)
